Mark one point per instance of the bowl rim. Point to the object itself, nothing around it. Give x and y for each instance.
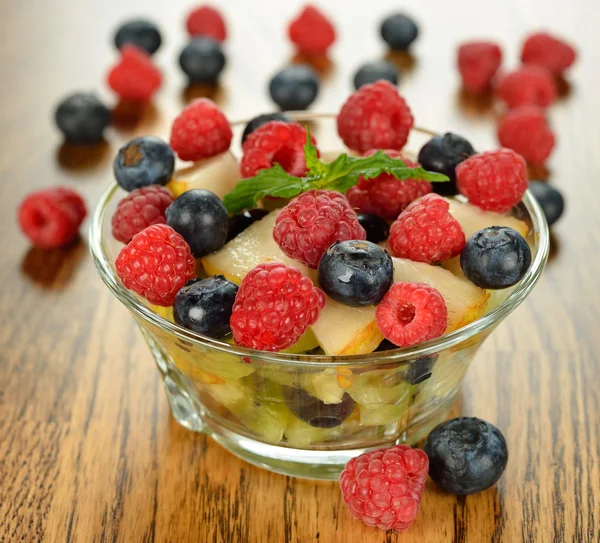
(487, 321)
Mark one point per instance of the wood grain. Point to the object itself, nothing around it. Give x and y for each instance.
(88, 451)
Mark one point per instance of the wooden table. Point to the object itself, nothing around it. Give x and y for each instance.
(88, 450)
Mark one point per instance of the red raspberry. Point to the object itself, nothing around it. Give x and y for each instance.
(385, 195)
(200, 131)
(134, 77)
(526, 131)
(494, 180)
(547, 51)
(50, 218)
(375, 117)
(411, 313)
(155, 264)
(141, 208)
(426, 232)
(383, 488)
(275, 142)
(274, 306)
(312, 222)
(312, 32)
(527, 86)
(206, 21)
(478, 62)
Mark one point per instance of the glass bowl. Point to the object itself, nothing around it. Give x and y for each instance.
(256, 404)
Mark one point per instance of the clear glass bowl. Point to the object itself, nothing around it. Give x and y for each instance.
(251, 401)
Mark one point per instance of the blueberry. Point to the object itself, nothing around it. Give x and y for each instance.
(202, 60)
(141, 33)
(419, 370)
(442, 154)
(263, 119)
(495, 257)
(316, 412)
(466, 455)
(144, 161)
(294, 87)
(550, 200)
(204, 306)
(399, 31)
(377, 228)
(201, 218)
(374, 71)
(239, 223)
(386, 345)
(82, 118)
(356, 272)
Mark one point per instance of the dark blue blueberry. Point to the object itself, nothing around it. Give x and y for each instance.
(356, 272)
(399, 31)
(204, 306)
(442, 154)
(374, 71)
(316, 412)
(144, 161)
(263, 119)
(239, 223)
(295, 87)
(202, 60)
(201, 218)
(495, 257)
(386, 345)
(82, 118)
(550, 199)
(466, 455)
(141, 33)
(377, 229)
(419, 370)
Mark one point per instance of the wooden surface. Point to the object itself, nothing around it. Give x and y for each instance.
(88, 450)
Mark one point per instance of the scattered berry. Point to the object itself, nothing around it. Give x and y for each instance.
(155, 264)
(494, 180)
(82, 118)
(200, 131)
(550, 200)
(316, 412)
(202, 60)
(239, 223)
(201, 218)
(495, 257)
(374, 71)
(294, 87)
(141, 208)
(542, 49)
(375, 117)
(144, 161)
(383, 488)
(377, 229)
(206, 21)
(411, 313)
(50, 218)
(141, 33)
(311, 32)
(274, 306)
(426, 231)
(419, 370)
(134, 77)
(310, 223)
(466, 455)
(259, 120)
(527, 86)
(399, 31)
(478, 62)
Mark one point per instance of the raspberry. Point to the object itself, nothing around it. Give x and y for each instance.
(312, 222)
(50, 218)
(478, 62)
(274, 306)
(494, 180)
(312, 32)
(200, 131)
(375, 117)
(206, 21)
(426, 232)
(547, 51)
(383, 488)
(527, 86)
(134, 77)
(526, 131)
(155, 264)
(385, 195)
(411, 313)
(275, 142)
(141, 208)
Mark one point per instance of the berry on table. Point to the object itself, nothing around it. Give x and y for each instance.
(377, 229)
(144, 161)
(259, 120)
(82, 118)
(238, 223)
(374, 71)
(466, 455)
(383, 488)
(478, 62)
(496, 257)
(527, 86)
(202, 60)
(206, 21)
(134, 78)
(316, 412)
(399, 31)
(312, 32)
(543, 49)
(294, 87)
(141, 33)
(550, 200)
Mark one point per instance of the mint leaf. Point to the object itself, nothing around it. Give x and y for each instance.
(314, 165)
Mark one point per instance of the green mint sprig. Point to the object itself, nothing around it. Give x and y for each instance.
(339, 175)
